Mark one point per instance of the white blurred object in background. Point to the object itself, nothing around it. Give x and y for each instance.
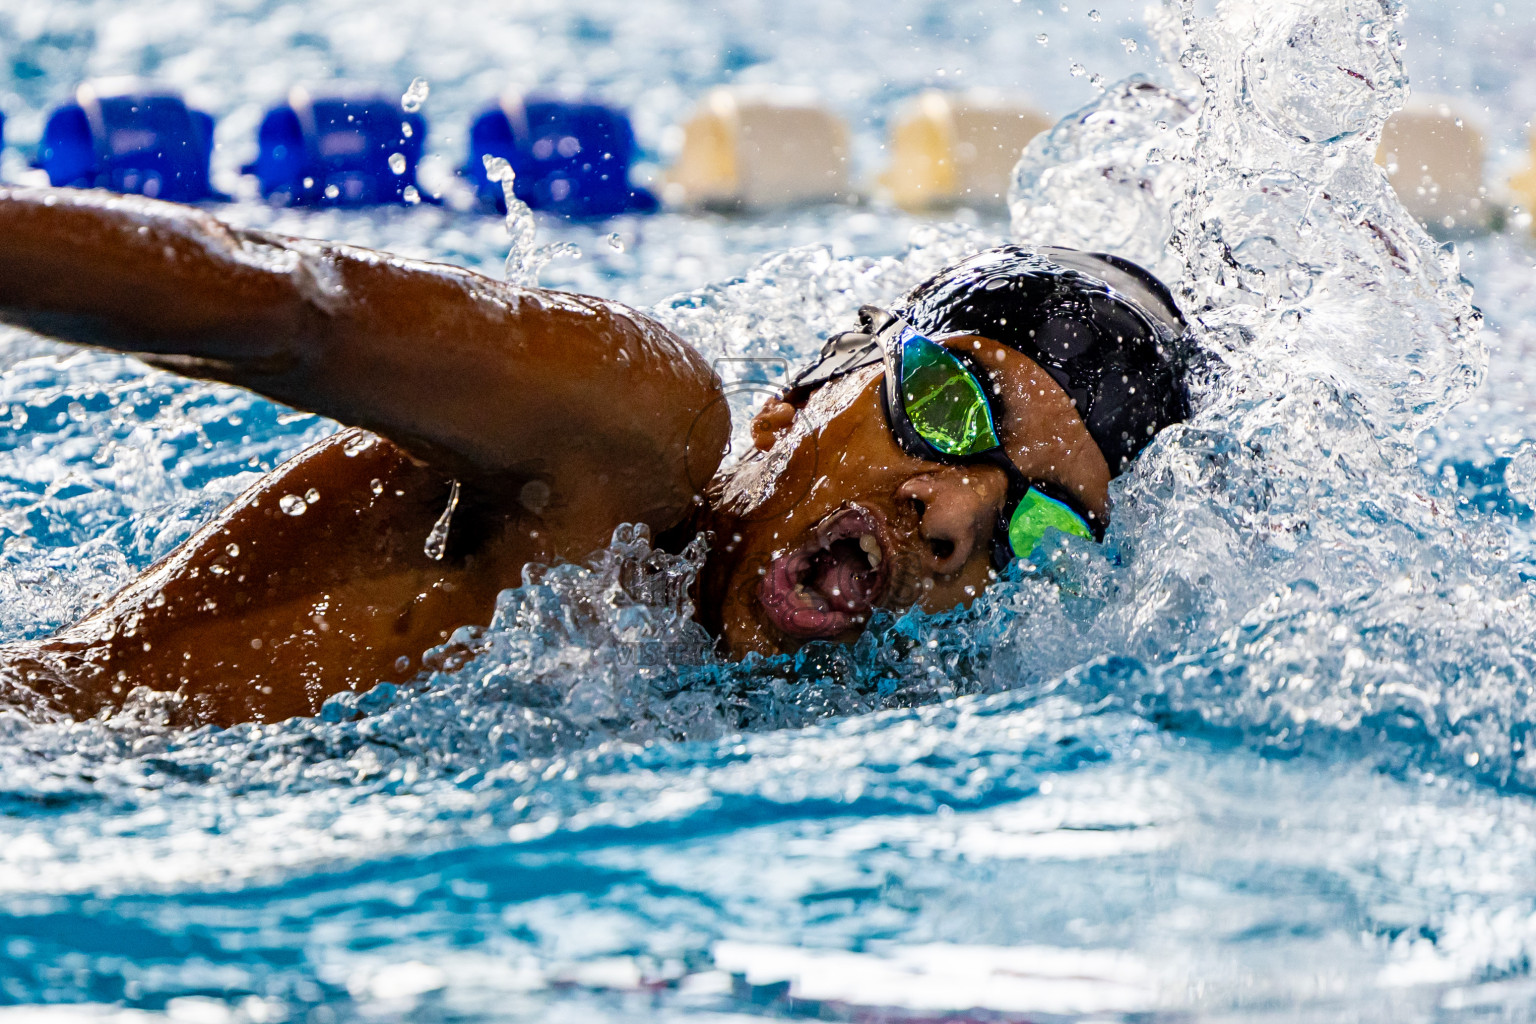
(759, 148)
(958, 149)
(1434, 155)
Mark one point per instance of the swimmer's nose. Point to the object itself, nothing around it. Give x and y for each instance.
(957, 510)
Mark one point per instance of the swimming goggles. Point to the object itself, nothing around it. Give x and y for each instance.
(941, 406)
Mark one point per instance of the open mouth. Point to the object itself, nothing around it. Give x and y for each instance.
(831, 583)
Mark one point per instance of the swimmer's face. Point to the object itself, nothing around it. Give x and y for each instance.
(827, 518)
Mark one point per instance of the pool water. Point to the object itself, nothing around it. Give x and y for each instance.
(1265, 754)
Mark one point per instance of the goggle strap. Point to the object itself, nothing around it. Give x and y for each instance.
(846, 351)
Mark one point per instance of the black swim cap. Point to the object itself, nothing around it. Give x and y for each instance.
(1105, 329)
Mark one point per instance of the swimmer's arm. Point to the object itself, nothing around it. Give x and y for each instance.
(493, 384)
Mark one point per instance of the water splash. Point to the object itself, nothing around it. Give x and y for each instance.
(1314, 582)
(524, 259)
(1106, 177)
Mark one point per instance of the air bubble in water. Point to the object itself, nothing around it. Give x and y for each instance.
(397, 162)
(1042, 38)
(410, 195)
(406, 131)
(292, 504)
(1077, 70)
(1094, 15)
(415, 95)
(616, 242)
(1520, 474)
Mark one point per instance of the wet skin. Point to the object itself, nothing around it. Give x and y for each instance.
(560, 416)
(553, 418)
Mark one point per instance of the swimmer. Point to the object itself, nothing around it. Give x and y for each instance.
(488, 426)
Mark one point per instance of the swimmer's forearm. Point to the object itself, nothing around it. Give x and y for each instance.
(137, 275)
(488, 381)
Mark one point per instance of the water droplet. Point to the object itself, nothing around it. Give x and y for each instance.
(332, 191)
(402, 663)
(1094, 15)
(397, 162)
(616, 242)
(1078, 71)
(410, 195)
(1042, 38)
(376, 485)
(233, 550)
(406, 131)
(311, 495)
(292, 504)
(415, 95)
(437, 540)
(534, 496)
(1129, 44)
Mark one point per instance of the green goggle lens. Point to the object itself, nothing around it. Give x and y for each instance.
(944, 400)
(1037, 513)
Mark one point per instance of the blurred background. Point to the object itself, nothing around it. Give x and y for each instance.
(658, 60)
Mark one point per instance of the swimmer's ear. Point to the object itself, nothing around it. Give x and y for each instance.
(772, 420)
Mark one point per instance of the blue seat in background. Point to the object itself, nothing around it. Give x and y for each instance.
(336, 150)
(131, 138)
(570, 158)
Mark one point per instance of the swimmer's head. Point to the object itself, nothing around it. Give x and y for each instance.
(1028, 378)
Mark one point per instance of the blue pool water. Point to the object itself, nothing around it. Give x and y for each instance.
(1265, 755)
